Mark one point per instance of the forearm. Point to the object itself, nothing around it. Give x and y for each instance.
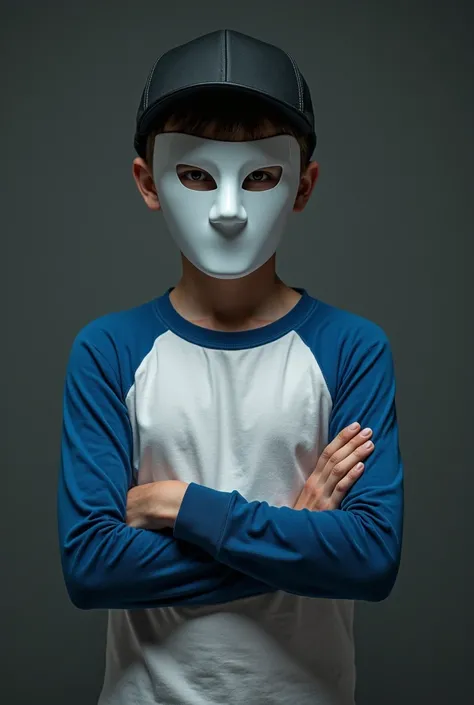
(335, 554)
(108, 565)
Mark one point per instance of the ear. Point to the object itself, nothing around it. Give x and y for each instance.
(307, 183)
(145, 183)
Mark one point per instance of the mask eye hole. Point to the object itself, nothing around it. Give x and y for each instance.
(194, 178)
(263, 179)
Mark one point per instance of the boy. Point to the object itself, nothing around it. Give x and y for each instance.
(199, 499)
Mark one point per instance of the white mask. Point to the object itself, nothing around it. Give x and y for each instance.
(229, 231)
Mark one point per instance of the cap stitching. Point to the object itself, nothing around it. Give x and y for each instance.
(224, 65)
(224, 77)
(148, 84)
(298, 82)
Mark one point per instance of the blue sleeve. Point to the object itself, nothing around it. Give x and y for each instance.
(107, 564)
(349, 553)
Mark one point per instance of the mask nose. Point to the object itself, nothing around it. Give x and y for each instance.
(227, 213)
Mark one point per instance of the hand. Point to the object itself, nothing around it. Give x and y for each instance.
(337, 469)
(155, 506)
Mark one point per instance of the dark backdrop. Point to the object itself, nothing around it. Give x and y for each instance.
(388, 235)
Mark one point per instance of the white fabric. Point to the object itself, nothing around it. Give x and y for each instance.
(255, 420)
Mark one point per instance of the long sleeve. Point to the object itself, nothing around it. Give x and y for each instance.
(107, 564)
(350, 553)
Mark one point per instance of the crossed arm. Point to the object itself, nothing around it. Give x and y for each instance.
(155, 505)
(248, 548)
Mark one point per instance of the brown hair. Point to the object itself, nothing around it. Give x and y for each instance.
(229, 117)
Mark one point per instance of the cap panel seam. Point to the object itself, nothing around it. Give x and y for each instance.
(298, 82)
(148, 83)
(225, 54)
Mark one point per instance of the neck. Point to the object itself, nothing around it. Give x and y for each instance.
(232, 304)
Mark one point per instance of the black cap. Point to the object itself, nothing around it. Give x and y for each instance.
(230, 61)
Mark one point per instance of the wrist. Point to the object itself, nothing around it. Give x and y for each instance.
(170, 494)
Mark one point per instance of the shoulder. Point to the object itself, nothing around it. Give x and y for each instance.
(345, 343)
(337, 325)
(119, 327)
(117, 342)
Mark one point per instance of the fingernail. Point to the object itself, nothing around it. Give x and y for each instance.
(354, 426)
(368, 445)
(366, 432)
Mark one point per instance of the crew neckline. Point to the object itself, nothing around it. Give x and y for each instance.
(209, 338)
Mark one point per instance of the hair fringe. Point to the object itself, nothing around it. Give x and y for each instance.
(230, 116)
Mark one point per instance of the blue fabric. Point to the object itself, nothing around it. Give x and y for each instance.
(349, 553)
(223, 547)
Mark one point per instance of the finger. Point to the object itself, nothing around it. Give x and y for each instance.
(344, 485)
(345, 452)
(342, 438)
(344, 467)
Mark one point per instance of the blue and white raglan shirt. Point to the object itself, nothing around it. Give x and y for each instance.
(246, 600)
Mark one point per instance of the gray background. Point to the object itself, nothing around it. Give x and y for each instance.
(388, 235)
